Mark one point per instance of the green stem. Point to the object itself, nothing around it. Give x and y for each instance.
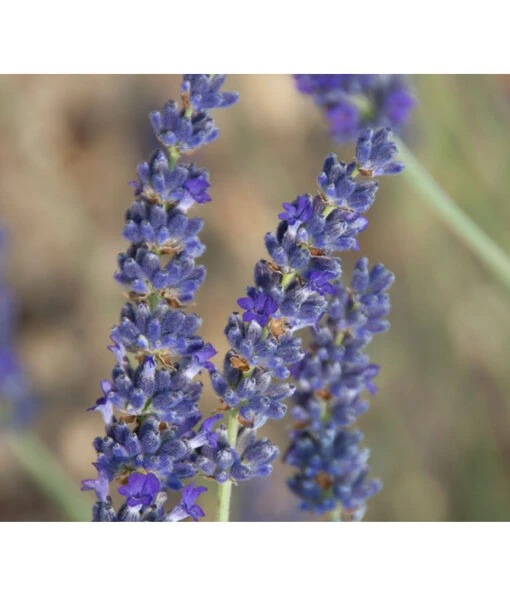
(173, 157)
(482, 246)
(335, 516)
(225, 489)
(40, 463)
(288, 278)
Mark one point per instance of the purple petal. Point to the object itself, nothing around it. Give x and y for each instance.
(246, 303)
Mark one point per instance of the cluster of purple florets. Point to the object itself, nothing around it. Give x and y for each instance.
(150, 405)
(332, 469)
(16, 401)
(191, 126)
(155, 439)
(293, 289)
(352, 102)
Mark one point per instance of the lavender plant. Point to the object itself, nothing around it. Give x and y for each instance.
(292, 290)
(150, 406)
(352, 102)
(16, 401)
(155, 441)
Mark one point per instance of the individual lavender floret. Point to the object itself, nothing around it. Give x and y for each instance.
(16, 401)
(301, 211)
(290, 292)
(150, 405)
(140, 489)
(258, 305)
(332, 469)
(352, 102)
(187, 507)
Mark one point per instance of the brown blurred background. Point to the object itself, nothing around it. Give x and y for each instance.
(439, 426)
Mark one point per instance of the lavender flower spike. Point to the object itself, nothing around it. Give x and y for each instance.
(150, 405)
(16, 402)
(290, 292)
(331, 467)
(352, 102)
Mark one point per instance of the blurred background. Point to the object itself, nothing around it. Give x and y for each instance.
(438, 428)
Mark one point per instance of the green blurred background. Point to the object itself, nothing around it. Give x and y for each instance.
(439, 426)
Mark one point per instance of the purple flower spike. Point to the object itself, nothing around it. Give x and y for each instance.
(351, 102)
(150, 406)
(331, 465)
(140, 489)
(17, 407)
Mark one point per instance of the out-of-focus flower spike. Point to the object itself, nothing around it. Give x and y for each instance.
(17, 404)
(352, 102)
